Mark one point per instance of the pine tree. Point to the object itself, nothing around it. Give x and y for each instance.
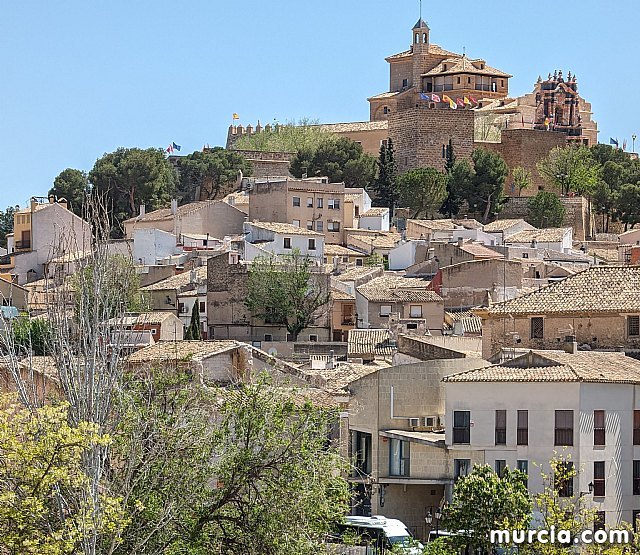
(451, 205)
(449, 158)
(385, 186)
(193, 331)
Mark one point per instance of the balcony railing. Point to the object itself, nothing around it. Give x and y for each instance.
(23, 244)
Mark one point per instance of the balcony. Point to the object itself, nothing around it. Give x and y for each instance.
(21, 245)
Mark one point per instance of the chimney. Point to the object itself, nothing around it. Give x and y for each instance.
(460, 241)
(174, 206)
(143, 210)
(570, 344)
(34, 203)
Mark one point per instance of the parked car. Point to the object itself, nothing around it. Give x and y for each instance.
(379, 534)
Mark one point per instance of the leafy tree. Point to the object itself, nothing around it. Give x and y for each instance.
(602, 154)
(627, 205)
(73, 185)
(422, 190)
(338, 158)
(545, 210)
(482, 501)
(521, 179)
(130, 177)
(6, 224)
(305, 134)
(487, 185)
(210, 174)
(459, 180)
(42, 479)
(285, 291)
(193, 331)
(570, 169)
(31, 336)
(385, 186)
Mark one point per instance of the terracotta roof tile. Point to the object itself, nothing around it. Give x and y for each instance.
(369, 343)
(501, 225)
(550, 234)
(463, 64)
(287, 229)
(377, 211)
(395, 287)
(178, 281)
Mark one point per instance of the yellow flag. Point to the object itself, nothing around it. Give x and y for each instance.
(467, 101)
(235, 116)
(452, 103)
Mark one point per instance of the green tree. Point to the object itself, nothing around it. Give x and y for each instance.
(487, 185)
(602, 154)
(193, 330)
(45, 500)
(570, 169)
(449, 158)
(422, 190)
(521, 179)
(338, 158)
(210, 174)
(31, 336)
(6, 224)
(545, 210)
(482, 501)
(459, 180)
(130, 177)
(285, 291)
(627, 205)
(385, 186)
(73, 185)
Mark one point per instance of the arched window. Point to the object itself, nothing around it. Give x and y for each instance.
(424, 38)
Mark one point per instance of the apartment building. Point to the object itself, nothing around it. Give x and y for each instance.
(583, 406)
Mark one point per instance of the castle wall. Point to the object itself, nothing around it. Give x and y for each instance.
(419, 135)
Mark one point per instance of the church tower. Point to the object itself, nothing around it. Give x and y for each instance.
(420, 50)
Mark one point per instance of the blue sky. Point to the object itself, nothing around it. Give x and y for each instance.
(79, 78)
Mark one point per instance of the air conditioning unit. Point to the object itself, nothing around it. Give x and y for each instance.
(414, 422)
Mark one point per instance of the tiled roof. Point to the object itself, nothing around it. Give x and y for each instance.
(287, 229)
(351, 197)
(369, 342)
(339, 295)
(178, 281)
(375, 212)
(384, 95)
(339, 250)
(433, 49)
(182, 350)
(471, 323)
(479, 250)
(464, 65)
(157, 317)
(165, 213)
(345, 373)
(558, 366)
(444, 224)
(354, 126)
(355, 272)
(501, 225)
(370, 237)
(550, 234)
(395, 287)
(598, 289)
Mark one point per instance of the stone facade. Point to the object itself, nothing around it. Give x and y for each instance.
(420, 136)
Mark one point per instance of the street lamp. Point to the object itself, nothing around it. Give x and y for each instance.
(633, 142)
(434, 515)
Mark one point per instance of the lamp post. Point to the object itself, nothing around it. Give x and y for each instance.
(633, 142)
(434, 515)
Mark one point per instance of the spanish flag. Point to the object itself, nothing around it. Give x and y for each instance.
(235, 116)
(452, 103)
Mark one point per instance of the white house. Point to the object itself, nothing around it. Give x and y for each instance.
(582, 405)
(152, 245)
(281, 238)
(502, 229)
(631, 237)
(553, 238)
(375, 218)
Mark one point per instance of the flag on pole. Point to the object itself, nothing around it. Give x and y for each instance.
(170, 149)
(473, 100)
(467, 101)
(424, 96)
(624, 144)
(613, 141)
(452, 104)
(176, 147)
(460, 102)
(235, 116)
(435, 98)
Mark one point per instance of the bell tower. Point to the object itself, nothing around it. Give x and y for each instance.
(420, 50)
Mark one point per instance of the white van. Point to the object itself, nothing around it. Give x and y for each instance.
(381, 533)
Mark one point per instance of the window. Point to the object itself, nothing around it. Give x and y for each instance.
(502, 82)
(522, 433)
(181, 308)
(525, 255)
(415, 311)
(268, 337)
(461, 426)
(461, 467)
(564, 427)
(319, 226)
(537, 328)
(523, 466)
(599, 521)
(385, 110)
(287, 242)
(405, 82)
(296, 223)
(501, 427)
(398, 458)
(636, 477)
(636, 427)
(564, 484)
(309, 202)
(333, 204)
(309, 224)
(312, 244)
(154, 331)
(361, 453)
(598, 427)
(296, 201)
(633, 326)
(333, 226)
(313, 338)
(501, 466)
(319, 202)
(458, 80)
(598, 478)
(468, 79)
(202, 307)
(385, 310)
(359, 262)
